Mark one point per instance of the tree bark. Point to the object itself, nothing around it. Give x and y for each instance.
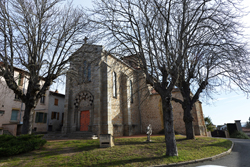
(26, 129)
(187, 106)
(28, 119)
(188, 119)
(169, 127)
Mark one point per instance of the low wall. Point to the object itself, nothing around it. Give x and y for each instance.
(12, 128)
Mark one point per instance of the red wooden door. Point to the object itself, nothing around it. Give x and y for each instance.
(84, 120)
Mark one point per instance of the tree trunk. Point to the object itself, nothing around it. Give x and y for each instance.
(188, 119)
(169, 128)
(27, 119)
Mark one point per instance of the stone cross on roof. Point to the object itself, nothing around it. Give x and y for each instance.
(85, 40)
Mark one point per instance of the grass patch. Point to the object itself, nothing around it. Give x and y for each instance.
(127, 152)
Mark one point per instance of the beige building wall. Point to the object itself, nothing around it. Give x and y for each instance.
(8, 103)
(152, 114)
(124, 116)
(41, 108)
(199, 125)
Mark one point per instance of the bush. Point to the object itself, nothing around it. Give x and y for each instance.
(239, 135)
(11, 145)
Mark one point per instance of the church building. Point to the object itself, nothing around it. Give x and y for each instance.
(107, 95)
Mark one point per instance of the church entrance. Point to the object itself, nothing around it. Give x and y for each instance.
(84, 120)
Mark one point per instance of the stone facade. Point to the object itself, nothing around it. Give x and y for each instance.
(115, 97)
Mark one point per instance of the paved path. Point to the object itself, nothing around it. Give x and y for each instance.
(239, 157)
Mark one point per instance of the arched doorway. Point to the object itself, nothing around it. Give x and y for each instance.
(84, 111)
(84, 120)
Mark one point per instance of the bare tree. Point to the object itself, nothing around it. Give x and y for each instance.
(37, 36)
(170, 38)
(152, 32)
(216, 55)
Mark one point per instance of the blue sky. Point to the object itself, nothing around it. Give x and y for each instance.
(225, 107)
(85, 3)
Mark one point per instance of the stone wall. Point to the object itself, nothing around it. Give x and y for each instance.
(134, 106)
(152, 114)
(123, 114)
(12, 128)
(199, 125)
(117, 115)
(83, 93)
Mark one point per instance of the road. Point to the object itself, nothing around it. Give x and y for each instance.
(239, 157)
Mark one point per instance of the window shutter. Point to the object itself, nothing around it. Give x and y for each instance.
(45, 118)
(37, 117)
(56, 102)
(58, 116)
(14, 115)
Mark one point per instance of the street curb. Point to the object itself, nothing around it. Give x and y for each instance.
(198, 160)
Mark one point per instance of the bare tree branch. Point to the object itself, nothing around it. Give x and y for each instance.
(37, 36)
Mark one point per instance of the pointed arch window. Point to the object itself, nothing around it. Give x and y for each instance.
(114, 85)
(84, 70)
(131, 91)
(80, 74)
(89, 72)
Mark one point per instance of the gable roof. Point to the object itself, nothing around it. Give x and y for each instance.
(56, 94)
(22, 71)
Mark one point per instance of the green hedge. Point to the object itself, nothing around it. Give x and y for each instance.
(11, 145)
(239, 135)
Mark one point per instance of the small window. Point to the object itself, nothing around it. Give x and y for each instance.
(1, 112)
(56, 102)
(42, 100)
(17, 97)
(89, 72)
(84, 70)
(55, 115)
(131, 92)
(41, 117)
(114, 85)
(14, 115)
(20, 79)
(80, 74)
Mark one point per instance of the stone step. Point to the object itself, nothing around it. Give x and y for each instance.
(79, 134)
(73, 135)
